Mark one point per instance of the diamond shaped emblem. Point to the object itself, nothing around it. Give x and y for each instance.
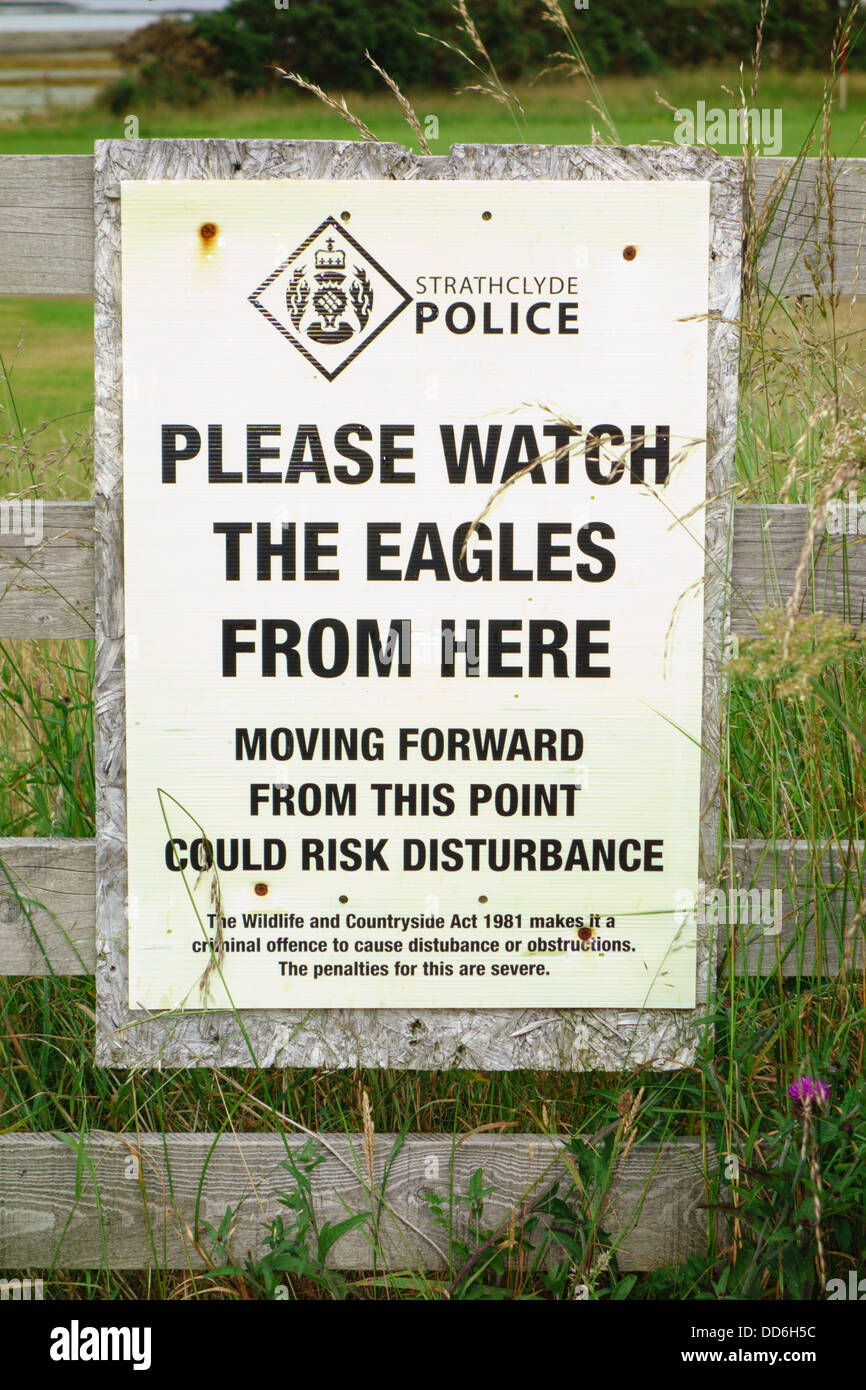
(331, 298)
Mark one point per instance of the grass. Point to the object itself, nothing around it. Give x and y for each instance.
(556, 113)
(792, 768)
(40, 63)
(46, 394)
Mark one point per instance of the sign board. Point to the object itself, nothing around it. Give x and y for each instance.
(414, 480)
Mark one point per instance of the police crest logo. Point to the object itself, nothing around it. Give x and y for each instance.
(331, 298)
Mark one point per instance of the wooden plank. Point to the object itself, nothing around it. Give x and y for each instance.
(795, 203)
(768, 542)
(804, 932)
(56, 881)
(46, 224)
(47, 896)
(139, 1201)
(575, 1039)
(46, 590)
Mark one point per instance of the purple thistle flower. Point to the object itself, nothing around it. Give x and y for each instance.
(808, 1089)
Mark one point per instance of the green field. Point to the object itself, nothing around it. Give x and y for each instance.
(556, 112)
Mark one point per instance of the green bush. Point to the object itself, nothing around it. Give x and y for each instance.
(325, 41)
(166, 61)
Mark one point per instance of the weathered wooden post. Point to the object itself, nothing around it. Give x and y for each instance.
(413, 509)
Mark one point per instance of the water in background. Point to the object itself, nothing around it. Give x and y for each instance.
(59, 53)
(71, 16)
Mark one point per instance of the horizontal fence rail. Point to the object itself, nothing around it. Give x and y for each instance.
(48, 895)
(133, 1201)
(46, 227)
(46, 590)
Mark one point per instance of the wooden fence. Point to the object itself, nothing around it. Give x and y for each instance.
(134, 1200)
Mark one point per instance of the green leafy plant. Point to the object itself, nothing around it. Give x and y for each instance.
(295, 1247)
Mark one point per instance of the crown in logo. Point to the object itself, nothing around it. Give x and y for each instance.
(330, 260)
